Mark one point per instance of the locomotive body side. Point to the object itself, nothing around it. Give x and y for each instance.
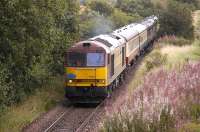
(103, 61)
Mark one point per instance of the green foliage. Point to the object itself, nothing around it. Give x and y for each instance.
(167, 121)
(6, 87)
(181, 42)
(92, 23)
(34, 36)
(176, 41)
(154, 60)
(14, 118)
(101, 17)
(50, 104)
(175, 16)
(194, 4)
(121, 18)
(194, 110)
(126, 122)
(101, 6)
(190, 127)
(142, 7)
(176, 20)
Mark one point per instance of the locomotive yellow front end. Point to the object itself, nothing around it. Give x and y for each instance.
(86, 73)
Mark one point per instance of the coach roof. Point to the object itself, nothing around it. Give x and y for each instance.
(128, 32)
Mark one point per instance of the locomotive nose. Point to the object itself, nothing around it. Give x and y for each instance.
(89, 77)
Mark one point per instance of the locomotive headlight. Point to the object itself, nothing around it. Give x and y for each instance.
(100, 81)
(70, 81)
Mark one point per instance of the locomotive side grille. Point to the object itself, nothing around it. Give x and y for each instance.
(105, 42)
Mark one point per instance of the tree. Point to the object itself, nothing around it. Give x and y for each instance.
(193, 4)
(142, 7)
(101, 6)
(121, 18)
(176, 20)
(33, 38)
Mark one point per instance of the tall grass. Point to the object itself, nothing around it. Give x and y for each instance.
(164, 103)
(178, 50)
(167, 56)
(196, 17)
(173, 40)
(16, 117)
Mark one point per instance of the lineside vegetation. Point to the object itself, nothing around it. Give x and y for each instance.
(165, 93)
(35, 34)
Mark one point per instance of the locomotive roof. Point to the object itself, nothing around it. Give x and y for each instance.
(110, 41)
(94, 45)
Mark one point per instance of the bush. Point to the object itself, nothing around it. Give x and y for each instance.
(6, 88)
(50, 104)
(142, 7)
(173, 40)
(125, 122)
(132, 122)
(194, 111)
(194, 4)
(121, 18)
(102, 7)
(154, 60)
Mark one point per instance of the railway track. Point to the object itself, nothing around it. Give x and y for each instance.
(75, 119)
(68, 118)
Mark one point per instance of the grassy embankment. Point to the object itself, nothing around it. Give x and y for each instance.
(16, 117)
(163, 67)
(176, 54)
(166, 55)
(177, 51)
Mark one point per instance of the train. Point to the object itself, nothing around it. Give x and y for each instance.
(95, 67)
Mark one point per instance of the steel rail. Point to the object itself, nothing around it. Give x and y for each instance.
(87, 120)
(58, 119)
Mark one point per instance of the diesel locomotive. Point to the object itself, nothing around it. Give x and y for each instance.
(95, 67)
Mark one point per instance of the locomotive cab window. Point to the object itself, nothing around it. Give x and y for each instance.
(76, 59)
(95, 59)
(85, 59)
